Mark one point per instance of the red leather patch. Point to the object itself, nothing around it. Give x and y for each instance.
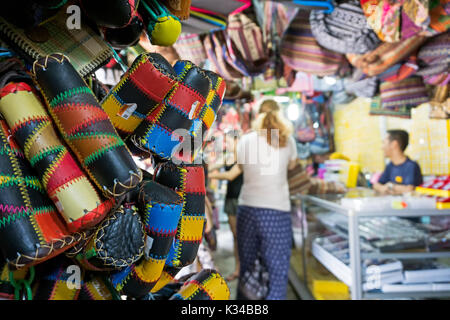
(51, 226)
(66, 170)
(151, 81)
(183, 98)
(14, 87)
(221, 89)
(195, 180)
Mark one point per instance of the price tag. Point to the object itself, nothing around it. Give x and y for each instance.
(127, 110)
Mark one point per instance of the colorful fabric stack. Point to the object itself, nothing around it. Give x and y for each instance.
(141, 89)
(394, 21)
(117, 243)
(31, 230)
(206, 285)
(163, 131)
(66, 184)
(385, 55)
(405, 94)
(189, 181)
(434, 58)
(161, 208)
(85, 126)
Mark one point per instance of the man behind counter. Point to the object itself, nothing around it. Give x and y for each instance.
(401, 175)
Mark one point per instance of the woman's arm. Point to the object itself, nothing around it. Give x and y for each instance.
(229, 175)
(215, 167)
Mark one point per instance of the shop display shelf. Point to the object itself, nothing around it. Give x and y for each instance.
(352, 274)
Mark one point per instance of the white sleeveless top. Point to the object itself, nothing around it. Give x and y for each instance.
(265, 172)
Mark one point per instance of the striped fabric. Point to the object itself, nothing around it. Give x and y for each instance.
(402, 96)
(190, 47)
(385, 55)
(434, 58)
(300, 50)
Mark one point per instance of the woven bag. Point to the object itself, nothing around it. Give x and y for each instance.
(300, 50)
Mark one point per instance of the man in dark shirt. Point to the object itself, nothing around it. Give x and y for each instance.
(402, 174)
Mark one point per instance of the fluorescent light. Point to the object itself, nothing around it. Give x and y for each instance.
(293, 112)
(330, 80)
(281, 99)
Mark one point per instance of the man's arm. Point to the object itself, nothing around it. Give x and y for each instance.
(381, 188)
(401, 189)
(229, 175)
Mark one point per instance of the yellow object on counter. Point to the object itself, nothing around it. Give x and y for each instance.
(434, 192)
(330, 290)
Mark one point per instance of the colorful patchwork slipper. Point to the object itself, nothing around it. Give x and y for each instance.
(85, 126)
(161, 208)
(110, 13)
(166, 128)
(125, 37)
(189, 182)
(117, 243)
(65, 182)
(31, 230)
(208, 284)
(140, 90)
(58, 279)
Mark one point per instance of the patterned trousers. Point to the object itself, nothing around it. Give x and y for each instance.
(267, 233)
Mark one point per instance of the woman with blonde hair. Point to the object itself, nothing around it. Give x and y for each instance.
(264, 232)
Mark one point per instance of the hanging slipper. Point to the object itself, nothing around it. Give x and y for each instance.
(117, 243)
(85, 126)
(163, 28)
(127, 36)
(31, 230)
(58, 279)
(141, 89)
(189, 181)
(97, 287)
(208, 284)
(161, 208)
(166, 128)
(66, 184)
(110, 13)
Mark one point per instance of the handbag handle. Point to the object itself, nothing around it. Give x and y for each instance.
(325, 4)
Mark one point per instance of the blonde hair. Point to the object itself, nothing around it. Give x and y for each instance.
(270, 118)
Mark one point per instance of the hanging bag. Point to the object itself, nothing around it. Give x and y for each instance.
(300, 50)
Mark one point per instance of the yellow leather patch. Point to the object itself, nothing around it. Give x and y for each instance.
(74, 197)
(163, 280)
(150, 270)
(209, 117)
(28, 104)
(189, 290)
(191, 228)
(217, 288)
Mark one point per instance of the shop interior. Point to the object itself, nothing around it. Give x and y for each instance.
(92, 94)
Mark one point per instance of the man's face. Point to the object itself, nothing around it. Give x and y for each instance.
(387, 147)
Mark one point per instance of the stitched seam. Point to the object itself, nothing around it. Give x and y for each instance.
(69, 93)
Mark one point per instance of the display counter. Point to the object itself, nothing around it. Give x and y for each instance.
(368, 244)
